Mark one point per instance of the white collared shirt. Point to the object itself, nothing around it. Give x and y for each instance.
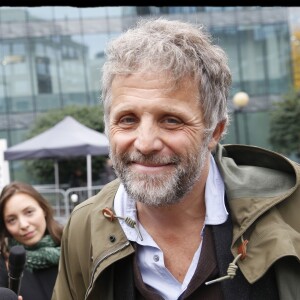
(149, 256)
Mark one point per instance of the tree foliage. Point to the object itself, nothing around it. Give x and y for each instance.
(285, 125)
(42, 169)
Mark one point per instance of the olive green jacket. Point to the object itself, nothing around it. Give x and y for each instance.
(262, 189)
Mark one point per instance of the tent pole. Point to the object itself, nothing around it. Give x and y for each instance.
(56, 174)
(56, 179)
(89, 174)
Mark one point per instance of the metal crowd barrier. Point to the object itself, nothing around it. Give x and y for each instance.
(64, 201)
(77, 195)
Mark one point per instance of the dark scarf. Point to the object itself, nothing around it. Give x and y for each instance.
(42, 255)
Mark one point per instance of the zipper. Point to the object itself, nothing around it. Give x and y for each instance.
(99, 262)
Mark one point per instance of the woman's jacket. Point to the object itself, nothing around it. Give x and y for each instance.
(35, 285)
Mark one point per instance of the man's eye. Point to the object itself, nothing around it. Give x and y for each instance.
(173, 121)
(128, 120)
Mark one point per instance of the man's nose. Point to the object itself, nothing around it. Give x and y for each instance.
(148, 137)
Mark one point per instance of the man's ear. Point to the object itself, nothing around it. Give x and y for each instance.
(216, 136)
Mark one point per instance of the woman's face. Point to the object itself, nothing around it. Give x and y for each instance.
(24, 219)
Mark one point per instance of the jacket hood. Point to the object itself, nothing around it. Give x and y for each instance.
(255, 179)
(256, 182)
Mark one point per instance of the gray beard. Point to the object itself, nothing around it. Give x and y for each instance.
(160, 189)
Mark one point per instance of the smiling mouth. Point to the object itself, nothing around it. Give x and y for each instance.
(28, 235)
(150, 165)
(150, 168)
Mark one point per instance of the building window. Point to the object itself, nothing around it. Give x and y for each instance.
(43, 75)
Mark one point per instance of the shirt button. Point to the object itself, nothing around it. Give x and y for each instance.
(156, 258)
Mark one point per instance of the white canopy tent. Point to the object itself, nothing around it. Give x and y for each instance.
(68, 138)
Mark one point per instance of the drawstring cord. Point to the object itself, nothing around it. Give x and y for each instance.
(231, 271)
(232, 268)
(107, 213)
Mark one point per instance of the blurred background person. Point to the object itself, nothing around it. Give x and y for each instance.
(76, 179)
(26, 218)
(108, 173)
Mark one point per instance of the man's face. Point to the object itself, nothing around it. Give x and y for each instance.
(156, 138)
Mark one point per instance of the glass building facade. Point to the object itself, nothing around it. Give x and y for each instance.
(51, 57)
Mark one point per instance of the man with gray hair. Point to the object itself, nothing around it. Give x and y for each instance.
(187, 217)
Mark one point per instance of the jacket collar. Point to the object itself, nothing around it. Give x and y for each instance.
(256, 181)
(251, 174)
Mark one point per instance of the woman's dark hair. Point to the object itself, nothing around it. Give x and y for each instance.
(53, 227)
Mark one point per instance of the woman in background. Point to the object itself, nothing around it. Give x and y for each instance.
(26, 218)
